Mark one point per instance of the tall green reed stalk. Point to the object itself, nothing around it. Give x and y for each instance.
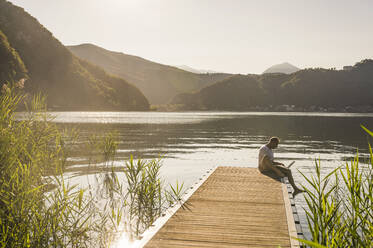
(340, 205)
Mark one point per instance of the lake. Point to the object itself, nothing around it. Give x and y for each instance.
(192, 142)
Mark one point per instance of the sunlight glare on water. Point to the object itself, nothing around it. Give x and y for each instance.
(134, 117)
(173, 117)
(125, 242)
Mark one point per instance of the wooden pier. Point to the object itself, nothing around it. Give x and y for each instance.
(232, 207)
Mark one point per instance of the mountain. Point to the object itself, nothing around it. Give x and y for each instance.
(306, 90)
(11, 65)
(158, 82)
(282, 68)
(190, 69)
(69, 82)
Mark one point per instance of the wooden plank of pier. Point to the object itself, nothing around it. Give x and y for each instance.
(234, 207)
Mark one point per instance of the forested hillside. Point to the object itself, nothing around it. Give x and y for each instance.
(68, 82)
(158, 82)
(306, 90)
(11, 65)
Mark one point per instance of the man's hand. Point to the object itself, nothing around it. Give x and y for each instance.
(273, 166)
(278, 164)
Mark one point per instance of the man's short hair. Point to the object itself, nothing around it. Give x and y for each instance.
(274, 140)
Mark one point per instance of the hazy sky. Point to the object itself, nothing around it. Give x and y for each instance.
(239, 36)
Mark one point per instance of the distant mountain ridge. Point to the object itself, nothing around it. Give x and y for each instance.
(198, 71)
(69, 82)
(286, 68)
(159, 83)
(314, 89)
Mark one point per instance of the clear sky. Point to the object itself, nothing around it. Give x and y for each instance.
(238, 36)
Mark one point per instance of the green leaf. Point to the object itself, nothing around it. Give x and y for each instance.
(367, 130)
(310, 243)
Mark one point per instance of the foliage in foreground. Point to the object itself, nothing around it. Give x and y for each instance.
(33, 157)
(38, 207)
(340, 205)
(146, 195)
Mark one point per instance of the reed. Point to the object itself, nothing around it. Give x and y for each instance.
(39, 208)
(340, 205)
(147, 196)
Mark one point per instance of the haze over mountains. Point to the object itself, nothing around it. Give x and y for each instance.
(198, 71)
(29, 50)
(158, 82)
(314, 89)
(80, 79)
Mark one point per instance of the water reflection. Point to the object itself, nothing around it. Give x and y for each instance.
(299, 134)
(227, 138)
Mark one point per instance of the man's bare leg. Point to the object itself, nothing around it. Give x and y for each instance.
(278, 172)
(289, 175)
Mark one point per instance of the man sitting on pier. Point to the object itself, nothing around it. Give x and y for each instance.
(267, 165)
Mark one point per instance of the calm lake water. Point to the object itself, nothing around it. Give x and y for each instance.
(193, 142)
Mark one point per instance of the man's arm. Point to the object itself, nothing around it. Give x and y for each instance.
(278, 163)
(271, 165)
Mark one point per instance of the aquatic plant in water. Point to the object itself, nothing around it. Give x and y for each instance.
(39, 208)
(340, 205)
(147, 197)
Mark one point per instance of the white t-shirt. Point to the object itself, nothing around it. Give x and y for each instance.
(264, 151)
